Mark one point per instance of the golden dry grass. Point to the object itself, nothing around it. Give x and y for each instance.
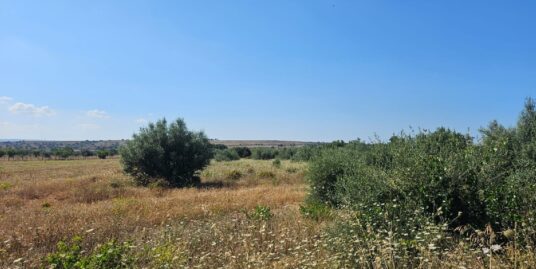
(44, 202)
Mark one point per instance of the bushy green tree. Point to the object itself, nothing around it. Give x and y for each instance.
(169, 152)
(243, 152)
(86, 153)
(102, 154)
(526, 133)
(263, 153)
(11, 153)
(63, 153)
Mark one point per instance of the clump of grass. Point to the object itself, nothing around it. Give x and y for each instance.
(266, 174)
(4, 186)
(291, 170)
(167, 255)
(233, 174)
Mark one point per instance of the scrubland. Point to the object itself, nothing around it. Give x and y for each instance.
(245, 214)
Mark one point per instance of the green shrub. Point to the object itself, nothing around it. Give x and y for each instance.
(243, 152)
(169, 152)
(226, 155)
(276, 163)
(109, 255)
(67, 255)
(442, 174)
(63, 153)
(315, 210)
(102, 154)
(260, 213)
(263, 153)
(326, 170)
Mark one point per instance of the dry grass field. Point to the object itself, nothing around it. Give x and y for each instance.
(42, 203)
(215, 226)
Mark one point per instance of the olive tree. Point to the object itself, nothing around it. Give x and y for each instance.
(168, 152)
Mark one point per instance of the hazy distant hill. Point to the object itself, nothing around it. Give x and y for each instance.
(261, 143)
(111, 144)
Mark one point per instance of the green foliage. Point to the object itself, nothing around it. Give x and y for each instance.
(276, 163)
(263, 153)
(111, 255)
(67, 255)
(526, 134)
(102, 154)
(315, 210)
(260, 213)
(226, 155)
(11, 153)
(167, 256)
(63, 153)
(169, 152)
(86, 153)
(243, 152)
(442, 174)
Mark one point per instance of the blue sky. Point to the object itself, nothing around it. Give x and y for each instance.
(292, 70)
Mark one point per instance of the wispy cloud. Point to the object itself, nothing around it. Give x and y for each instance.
(30, 109)
(99, 114)
(5, 100)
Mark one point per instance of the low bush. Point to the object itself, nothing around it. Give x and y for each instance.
(109, 255)
(263, 153)
(102, 154)
(226, 155)
(260, 213)
(243, 152)
(315, 210)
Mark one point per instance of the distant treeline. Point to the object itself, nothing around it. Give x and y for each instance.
(304, 153)
(62, 153)
(51, 145)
